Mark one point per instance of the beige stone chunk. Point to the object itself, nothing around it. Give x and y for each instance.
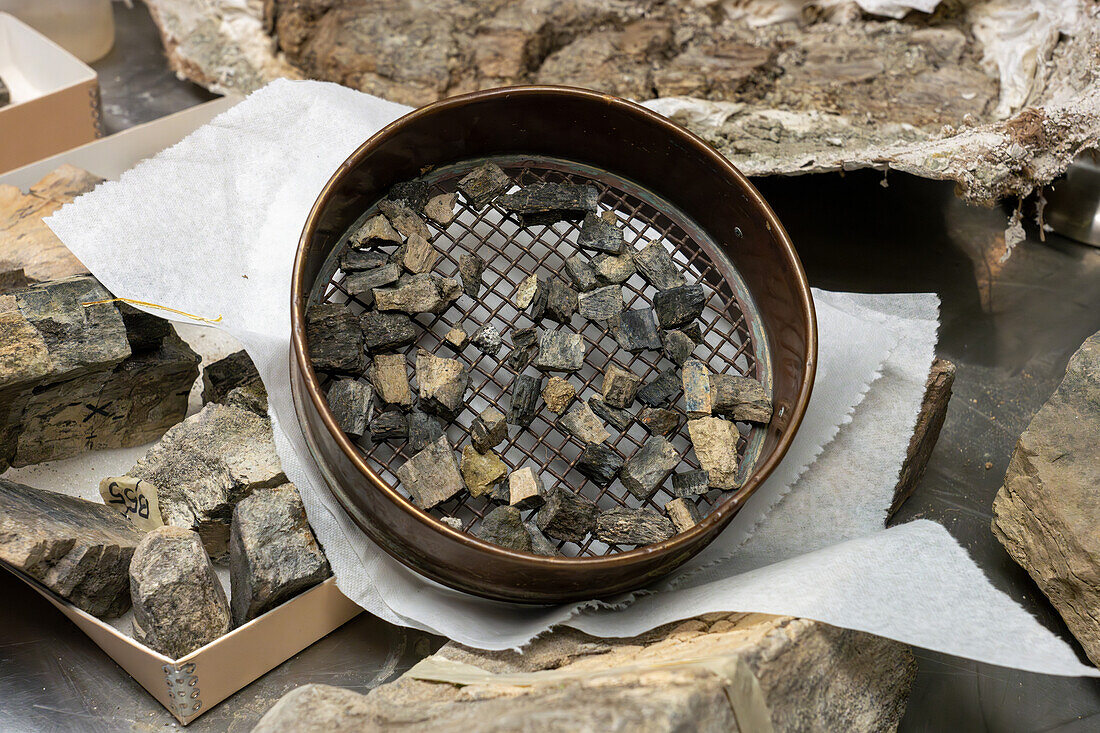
(558, 393)
(683, 513)
(715, 443)
(390, 378)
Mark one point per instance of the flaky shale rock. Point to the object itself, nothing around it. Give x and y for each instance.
(202, 467)
(1047, 513)
(273, 555)
(800, 675)
(78, 549)
(179, 605)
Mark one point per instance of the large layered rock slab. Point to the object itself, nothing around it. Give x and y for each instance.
(803, 675)
(202, 467)
(81, 372)
(1047, 513)
(79, 549)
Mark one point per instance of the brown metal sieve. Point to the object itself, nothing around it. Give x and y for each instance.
(758, 321)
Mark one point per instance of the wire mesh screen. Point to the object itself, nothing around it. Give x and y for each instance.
(514, 252)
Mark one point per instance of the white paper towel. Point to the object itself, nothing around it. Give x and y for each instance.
(210, 226)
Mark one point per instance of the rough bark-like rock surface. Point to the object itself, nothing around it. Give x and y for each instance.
(352, 404)
(683, 514)
(623, 526)
(179, 604)
(273, 555)
(202, 467)
(360, 285)
(221, 376)
(489, 429)
(620, 418)
(78, 549)
(76, 377)
(441, 384)
(740, 398)
(386, 331)
(647, 469)
(566, 515)
(619, 386)
(432, 475)
(582, 424)
(560, 351)
(412, 294)
(715, 444)
(811, 677)
(335, 339)
(504, 526)
(557, 394)
(1047, 513)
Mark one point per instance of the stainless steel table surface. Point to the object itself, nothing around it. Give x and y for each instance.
(1010, 327)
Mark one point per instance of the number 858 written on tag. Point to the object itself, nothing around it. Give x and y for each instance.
(134, 499)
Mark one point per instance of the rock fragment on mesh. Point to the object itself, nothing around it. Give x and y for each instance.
(683, 514)
(619, 386)
(227, 373)
(658, 420)
(386, 331)
(524, 348)
(636, 330)
(561, 301)
(432, 475)
(487, 340)
(698, 389)
(471, 268)
(489, 429)
(601, 233)
(413, 194)
(623, 526)
(525, 489)
(741, 398)
(335, 339)
(679, 306)
(357, 260)
(524, 400)
(525, 292)
(715, 444)
(581, 273)
(560, 351)
(601, 304)
(600, 463)
(540, 544)
(504, 526)
(404, 219)
(619, 418)
(482, 472)
(453, 522)
(441, 208)
(646, 471)
(441, 384)
(566, 515)
(547, 203)
(456, 339)
(375, 232)
(423, 429)
(417, 255)
(360, 285)
(661, 389)
(655, 264)
(351, 403)
(582, 424)
(557, 394)
(390, 378)
(689, 484)
(613, 269)
(677, 345)
(484, 184)
(422, 293)
(391, 425)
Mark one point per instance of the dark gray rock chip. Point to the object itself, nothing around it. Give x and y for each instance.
(413, 194)
(601, 304)
(358, 260)
(619, 418)
(622, 526)
(679, 306)
(471, 268)
(688, 484)
(566, 515)
(636, 330)
(655, 264)
(489, 429)
(423, 429)
(600, 463)
(661, 390)
(179, 604)
(484, 184)
(579, 270)
(561, 301)
(386, 331)
(335, 339)
(352, 404)
(547, 203)
(389, 426)
(619, 386)
(219, 377)
(525, 396)
(361, 285)
(540, 544)
(740, 398)
(560, 351)
(601, 233)
(432, 475)
(524, 348)
(78, 549)
(273, 555)
(658, 420)
(647, 469)
(678, 346)
(487, 340)
(504, 526)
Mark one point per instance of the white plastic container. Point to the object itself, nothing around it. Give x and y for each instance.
(84, 28)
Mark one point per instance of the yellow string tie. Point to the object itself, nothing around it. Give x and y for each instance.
(154, 305)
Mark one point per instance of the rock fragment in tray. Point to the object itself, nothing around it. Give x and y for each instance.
(540, 544)
(441, 384)
(561, 301)
(392, 425)
(351, 403)
(581, 273)
(613, 269)
(560, 351)
(484, 184)
(582, 424)
(566, 515)
(179, 604)
(456, 339)
(413, 194)
(619, 386)
(636, 330)
(335, 339)
(526, 291)
(482, 472)
(715, 444)
(677, 345)
(221, 376)
(524, 400)
(655, 264)
(547, 203)
(661, 389)
(525, 489)
(386, 331)
(441, 208)
(423, 293)
(487, 340)
(524, 348)
(601, 304)
(683, 513)
(78, 549)
(357, 260)
(390, 378)
(432, 475)
(698, 389)
(658, 420)
(600, 463)
(689, 484)
(489, 429)
(741, 398)
(646, 470)
(360, 285)
(453, 522)
(423, 429)
(404, 220)
(504, 526)
(623, 526)
(471, 268)
(620, 419)
(601, 233)
(557, 394)
(273, 555)
(417, 255)
(679, 306)
(375, 232)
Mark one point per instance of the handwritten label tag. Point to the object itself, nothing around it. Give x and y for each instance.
(136, 499)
